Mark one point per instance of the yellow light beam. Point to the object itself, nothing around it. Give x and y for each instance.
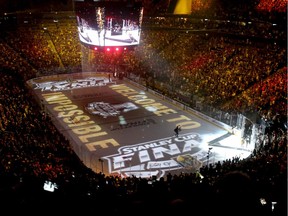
(183, 7)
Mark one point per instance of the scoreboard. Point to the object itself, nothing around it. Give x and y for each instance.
(113, 25)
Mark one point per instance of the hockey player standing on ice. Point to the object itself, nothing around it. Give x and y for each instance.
(177, 130)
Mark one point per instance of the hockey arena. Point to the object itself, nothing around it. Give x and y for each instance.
(118, 127)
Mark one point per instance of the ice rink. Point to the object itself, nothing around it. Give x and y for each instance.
(121, 128)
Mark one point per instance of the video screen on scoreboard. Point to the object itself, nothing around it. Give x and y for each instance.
(112, 23)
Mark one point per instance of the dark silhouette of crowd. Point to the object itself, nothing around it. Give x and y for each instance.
(229, 69)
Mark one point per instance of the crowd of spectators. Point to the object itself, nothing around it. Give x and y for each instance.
(230, 73)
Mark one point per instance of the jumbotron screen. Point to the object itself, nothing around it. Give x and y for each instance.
(109, 23)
